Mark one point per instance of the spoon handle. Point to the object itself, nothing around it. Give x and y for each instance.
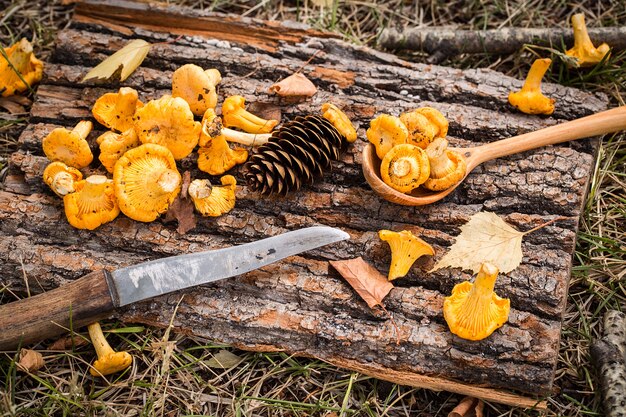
(594, 125)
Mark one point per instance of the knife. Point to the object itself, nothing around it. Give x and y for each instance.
(96, 295)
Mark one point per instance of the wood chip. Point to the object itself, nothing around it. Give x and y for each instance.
(468, 407)
(370, 284)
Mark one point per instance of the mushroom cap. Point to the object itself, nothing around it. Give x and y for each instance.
(234, 114)
(61, 178)
(92, 204)
(169, 122)
(196, 86)
(405, 167)
(23, 60)
(146, 182)
(583, 51)
(406, 248)
(213, 201)
(111, 363)
(446, 167)
(217, 157)
(113, 146)
(474, 311)
(385, 132)
(340, 120)
(421, 130)
(116, 110)
(68, 146)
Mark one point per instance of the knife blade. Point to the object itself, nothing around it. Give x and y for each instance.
(97, 294)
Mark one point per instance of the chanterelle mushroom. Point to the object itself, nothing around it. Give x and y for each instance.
(583, 51)
(212, 127)
(61, 178)
(146, 182)
(92, 204)
(116, 110)
(113, 146)
(421, 130)
(340, 120)
(385, 132)
(109, 361)
(474, 311)
(23, 60)
(215, 156)
(405, 167)
(69, 146)
(529, 99)
(196, 86)
(446, 167)
(213, 201)
(406, 248)
(234, 114)
(169, 122)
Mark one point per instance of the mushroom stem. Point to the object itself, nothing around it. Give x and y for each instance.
(581, 36)
(213, 128)
(99, 341)
(535, 75)
(234, 114)
(440, 163)
(63, 183)
(486, 280)
(83, 128)
(109, 361)
(95, 186)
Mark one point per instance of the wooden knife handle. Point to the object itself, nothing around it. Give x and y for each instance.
(50, 314)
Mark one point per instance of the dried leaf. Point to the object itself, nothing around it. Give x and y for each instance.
(266, 111)
(370, 284)
(294, 85)
(30, 360)
(468, 407)
(121, 64)
(15, 104)
(182, 208)
(486, 238)
(224, 360)
(68, 342)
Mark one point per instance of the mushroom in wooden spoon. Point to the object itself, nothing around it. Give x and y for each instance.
(446, 167)
(421, 130)
(109, 361)
(69, 146)
(385, 132)
(405, 167)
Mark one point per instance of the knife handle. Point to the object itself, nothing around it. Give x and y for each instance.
(52, 313)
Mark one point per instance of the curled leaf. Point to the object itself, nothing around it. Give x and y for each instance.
(294, 85)
(30, 360)
(182, 208)
(224, 359)
(468, 407)
(121, 64)
(15, 104)
(370, 284)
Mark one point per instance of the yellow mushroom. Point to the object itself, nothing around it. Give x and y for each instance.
(406, 248)
(22, 60)
(146, 182)
(212, 127)
(215, 157)
(421, 130)
(474, 311)
(405, 167)
(196, 86)
(446, 167)
(169, 122)
(385, 132)
(583, 51)
(92, 204)
(69, 146)
(340, 120)
(61, 178)
(113, 146)
(529, 99)
(116, 110)
(213, 201)
(109, 361)
(234, 114)
(436, 118)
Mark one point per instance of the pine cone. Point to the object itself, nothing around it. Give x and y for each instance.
(296, 154)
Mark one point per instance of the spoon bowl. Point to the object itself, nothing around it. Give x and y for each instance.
(608, 121)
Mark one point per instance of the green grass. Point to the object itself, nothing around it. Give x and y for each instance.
(171, 373)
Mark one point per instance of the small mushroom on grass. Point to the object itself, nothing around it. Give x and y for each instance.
(213, 201)
(385, 132)
(234, 114)
(196, 86)
(583, 51)
(61, 178)
(69, 146)
(405, 167)
(474, 311)
(109, 361)
(406, 248)
(446, 167)
(116, 110)
(529, 99)
(92, 204)
(23, 60)
(212, 127)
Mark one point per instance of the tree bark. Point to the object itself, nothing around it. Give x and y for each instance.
(300, 305)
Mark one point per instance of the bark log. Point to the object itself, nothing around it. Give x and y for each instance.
(446, 42)
(300, 305)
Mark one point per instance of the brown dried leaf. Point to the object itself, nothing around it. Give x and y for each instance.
(30, 360)
(370, 284)
(267, 111)
(294, 85)
(182, 209)
(15, 104)
(68, 342)
(468, 407)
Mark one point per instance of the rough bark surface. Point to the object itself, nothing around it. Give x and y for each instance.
(301, 305)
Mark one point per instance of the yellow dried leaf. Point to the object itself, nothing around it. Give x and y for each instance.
(224, 360)
(30, 360)
(121, 64)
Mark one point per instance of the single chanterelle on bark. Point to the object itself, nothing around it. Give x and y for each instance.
(116, 110)
(213, 201)
(69, 146)
(113, 146)
(406, 248)
(61, 178)
(215, 156)
(197, 87)
(529, 99)
(92, 203)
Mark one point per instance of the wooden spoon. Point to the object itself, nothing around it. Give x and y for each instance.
(608, 121)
